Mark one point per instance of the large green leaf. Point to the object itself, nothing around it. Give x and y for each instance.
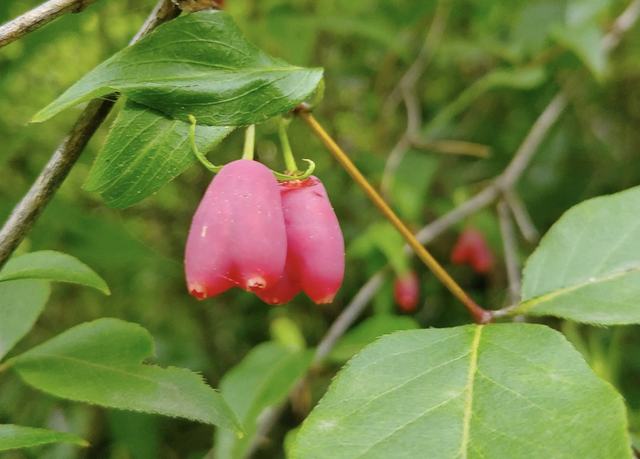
(14, 437)
(587, 267)
(21, 302)
(100, 362)
(481, 392)
(198, 64)
(367, 332)
(263, 379)
(52, 266)
(145, 150)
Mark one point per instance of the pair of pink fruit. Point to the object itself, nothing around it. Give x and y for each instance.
(273, 239)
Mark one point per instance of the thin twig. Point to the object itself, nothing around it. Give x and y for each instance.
(410, 78)
(479, 314)
(268, 419)
(405, 90)
(510, 252)
(517, 166)
(29, 209)
(621, 25)
(38, 17)
(348, 316)
(393, 161)
(521, 216)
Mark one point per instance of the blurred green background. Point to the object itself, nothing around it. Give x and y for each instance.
(514, 55)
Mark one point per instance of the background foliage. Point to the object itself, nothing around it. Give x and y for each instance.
(497, 67)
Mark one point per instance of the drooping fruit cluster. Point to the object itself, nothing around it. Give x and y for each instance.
(472, 249)
(406, 290)
(270, 239)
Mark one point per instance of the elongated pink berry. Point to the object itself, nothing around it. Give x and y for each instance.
(315, 246)
(406, 290)
(472, 249)
(237, 236)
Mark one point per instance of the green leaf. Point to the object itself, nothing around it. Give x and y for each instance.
(367, 332)
(584, 40)
(52, 266)
(482, 392)
(21, 303)
(198, 64)
(263, 379)
(145, 150)
(14, 437)
(411, 182)
(587, 267)
(100, 362)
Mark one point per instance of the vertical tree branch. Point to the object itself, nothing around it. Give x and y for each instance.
(29, 209)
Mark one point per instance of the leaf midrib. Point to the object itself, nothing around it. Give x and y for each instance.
(468, 405)
(103, 367)
(527, 305)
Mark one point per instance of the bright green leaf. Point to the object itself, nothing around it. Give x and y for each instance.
(263, 379)
(14, 437)
(587, 267)
(21, 302)
(145, 150)
(198, 64)
(367, 332)
(52, 266)
(100, 362)
(584, 40)
(482, 392)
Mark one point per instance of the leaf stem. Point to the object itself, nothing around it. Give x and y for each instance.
(289, 160)
(249, 142)
(480, 315)
(192, 135)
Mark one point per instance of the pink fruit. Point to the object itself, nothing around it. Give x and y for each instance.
(472, 249)
(406, 289)
(282, 292)
(237, 236)
(315, 246)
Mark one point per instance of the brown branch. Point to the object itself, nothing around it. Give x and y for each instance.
(29, 209)
(38, 17)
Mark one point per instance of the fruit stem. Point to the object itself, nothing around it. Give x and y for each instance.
(249, 142)
(480, 315)
(205, 162)
(289, 160)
